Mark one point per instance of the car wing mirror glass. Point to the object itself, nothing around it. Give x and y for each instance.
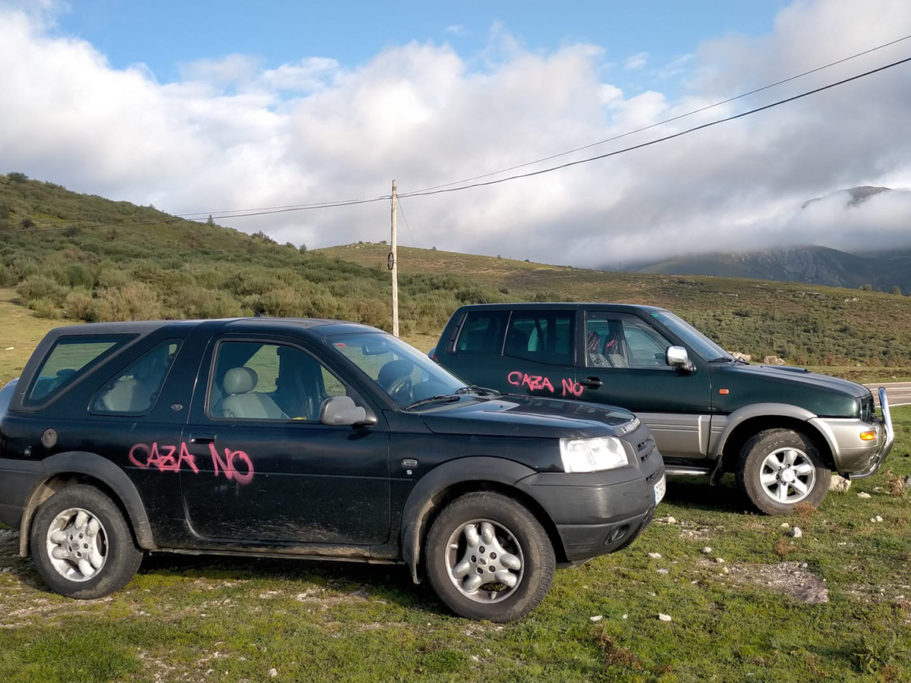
(341, 410)
(678, 357)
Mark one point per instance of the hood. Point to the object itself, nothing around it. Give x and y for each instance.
(529, 416)
(820, 394)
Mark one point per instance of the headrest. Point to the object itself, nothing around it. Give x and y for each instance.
(239, 380)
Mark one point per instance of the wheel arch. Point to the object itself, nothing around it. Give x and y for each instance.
(64, 469)
(456, 478)
(742, 425)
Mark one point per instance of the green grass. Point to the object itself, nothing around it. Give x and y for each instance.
(188, 618)
(191, 618)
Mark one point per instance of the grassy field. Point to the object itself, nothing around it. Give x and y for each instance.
(760, 605)
(750, 609)
(834, 604)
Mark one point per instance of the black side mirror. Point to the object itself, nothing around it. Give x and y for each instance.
(341, 410)
(676, 356)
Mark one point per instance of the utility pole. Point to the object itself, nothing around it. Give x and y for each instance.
(392, 264)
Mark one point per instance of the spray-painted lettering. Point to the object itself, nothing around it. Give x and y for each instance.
(569, 386)
(234, 465)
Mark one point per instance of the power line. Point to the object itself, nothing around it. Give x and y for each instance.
(671, 119)
(657, 140)
(241, 213)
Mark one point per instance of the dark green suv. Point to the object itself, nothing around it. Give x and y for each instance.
(781, 430)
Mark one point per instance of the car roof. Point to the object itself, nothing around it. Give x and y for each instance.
(313, 326)
(570, 305)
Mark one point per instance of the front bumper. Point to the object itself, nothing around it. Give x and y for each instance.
(598, 512)
(856, 459)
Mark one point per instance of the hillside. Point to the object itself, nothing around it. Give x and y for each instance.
(885, 269)
(79, 257)
(811, 264)
(804, 324)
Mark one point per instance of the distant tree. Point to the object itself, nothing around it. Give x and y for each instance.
(303, 248)
(866, 288)
(896, 290)
(17, 177)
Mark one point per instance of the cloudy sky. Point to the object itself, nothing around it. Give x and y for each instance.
(203, 108)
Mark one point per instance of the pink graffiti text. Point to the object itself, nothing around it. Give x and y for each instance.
(569, 386)
(234, 466)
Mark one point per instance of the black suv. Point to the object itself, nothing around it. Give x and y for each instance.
(782, 430)
(308, 438)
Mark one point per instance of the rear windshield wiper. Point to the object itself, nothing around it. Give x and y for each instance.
(439, 398)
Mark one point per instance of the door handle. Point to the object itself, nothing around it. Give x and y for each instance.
(202, 438)
(591, 382)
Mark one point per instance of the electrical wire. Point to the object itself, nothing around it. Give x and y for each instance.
(241, 213)
(658, 140)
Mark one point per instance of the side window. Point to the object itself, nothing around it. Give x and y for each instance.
(136, 389)
(262, 381)
(541, 336)
(481, 333)
(67, 360)
(647, 348)
(622, 341)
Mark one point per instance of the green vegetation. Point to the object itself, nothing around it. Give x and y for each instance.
(79, 257)
(737, 611)
(189, 618)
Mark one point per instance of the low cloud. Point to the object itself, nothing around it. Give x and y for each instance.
(232, 134)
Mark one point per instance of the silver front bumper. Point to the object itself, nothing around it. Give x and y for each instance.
(881, 453)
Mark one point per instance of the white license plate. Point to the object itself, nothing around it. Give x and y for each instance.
(660, 489)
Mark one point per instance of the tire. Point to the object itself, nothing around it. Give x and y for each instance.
(81, 544)
(780, 469)
(489, 535)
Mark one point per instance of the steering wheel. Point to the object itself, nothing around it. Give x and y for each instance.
(400, 387)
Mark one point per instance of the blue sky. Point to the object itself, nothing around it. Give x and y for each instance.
(163, 35)
(202, 107)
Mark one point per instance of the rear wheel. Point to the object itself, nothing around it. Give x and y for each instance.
(488, 557)
(780, 469)
(81, 544)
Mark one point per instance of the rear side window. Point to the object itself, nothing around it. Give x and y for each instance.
(136, 388)
(69, 359)
(541, 336)
(482, 333)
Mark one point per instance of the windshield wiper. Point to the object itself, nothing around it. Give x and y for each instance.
(475, 389)
(439, 398)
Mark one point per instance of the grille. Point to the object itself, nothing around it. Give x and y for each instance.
(645, 448)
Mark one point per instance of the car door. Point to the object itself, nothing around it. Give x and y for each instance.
(539, 353)
(624, 364)
(266, 471)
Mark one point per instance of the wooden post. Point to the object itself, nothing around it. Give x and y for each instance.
(392, 263)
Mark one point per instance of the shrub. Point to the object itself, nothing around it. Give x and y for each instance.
(36, 287)
(44, 307)
(79, 305)
(133, 301)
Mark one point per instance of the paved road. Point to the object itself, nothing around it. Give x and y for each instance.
(899, 393)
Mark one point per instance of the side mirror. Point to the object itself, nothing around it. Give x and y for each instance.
(341, 410)
(676, 356)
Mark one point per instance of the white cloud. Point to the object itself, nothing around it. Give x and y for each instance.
(232, 134)
(636, 61)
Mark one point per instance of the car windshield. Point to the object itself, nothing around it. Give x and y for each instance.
(405, 374)
(702, 345)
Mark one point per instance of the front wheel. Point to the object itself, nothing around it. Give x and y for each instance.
(81, 544)
(487, 557)
(780, 469)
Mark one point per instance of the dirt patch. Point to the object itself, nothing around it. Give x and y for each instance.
(787, 578)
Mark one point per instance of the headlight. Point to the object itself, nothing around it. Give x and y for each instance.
(592, 455)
